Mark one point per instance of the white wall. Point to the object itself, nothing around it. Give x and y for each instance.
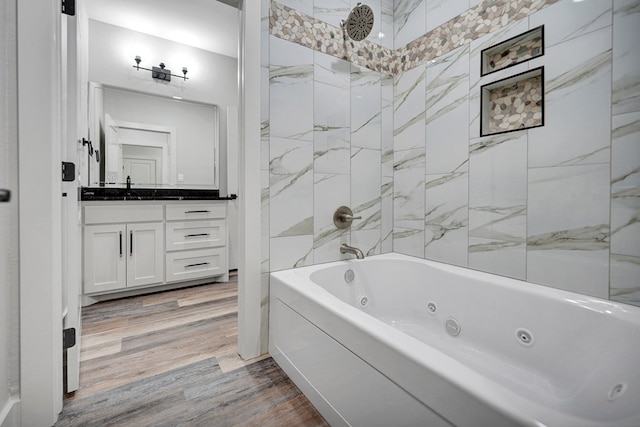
(213, 78)
(8, 218)
(196, 128)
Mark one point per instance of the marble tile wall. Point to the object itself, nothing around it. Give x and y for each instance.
(399, 140)
(324, 123)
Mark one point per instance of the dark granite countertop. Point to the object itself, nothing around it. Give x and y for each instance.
(111, 193)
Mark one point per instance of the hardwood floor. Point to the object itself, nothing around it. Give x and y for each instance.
(169, 359)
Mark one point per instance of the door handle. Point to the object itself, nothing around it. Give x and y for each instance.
(121, 244)
(5, 195)
(131, 243)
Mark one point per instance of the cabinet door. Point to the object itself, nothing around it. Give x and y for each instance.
(145, 254)
(104, 258)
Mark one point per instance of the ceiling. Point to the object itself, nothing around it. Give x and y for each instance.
(206, 24)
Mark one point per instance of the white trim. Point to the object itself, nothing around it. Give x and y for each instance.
(40, 205)
(10, 414)
(249, 287)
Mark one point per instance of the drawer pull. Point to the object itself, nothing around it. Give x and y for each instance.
(187, 212)
(197, 235)
(197, 264)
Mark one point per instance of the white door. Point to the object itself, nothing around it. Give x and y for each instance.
(141, 171)
(145, 252)
(105, 260)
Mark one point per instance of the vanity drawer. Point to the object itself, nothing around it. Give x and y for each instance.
(185, 212)
(196, 264)
(195, 234)
(120, 214)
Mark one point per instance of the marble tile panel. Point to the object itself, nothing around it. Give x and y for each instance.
(365, 188)
(264, 221)
(331, 70)
(330, 191)
(583, 272)
(386, 25)
(571, 198)
(368, 241)
(576, 129)
(291, 90)
(264, 34)
(387, 126)
(332, 12)
(440, 11)
(386, 228)
(409, 109)
(409, 21)
(303, 6)
(626, 56)
(264, 312)
(291, 188)
(408, 189)
(446, 218)
(366, 108)
(264, 118)
(331, 130)
(498, 188)
(447, 105)
(624, 282)
(568, 228)
(566, 20)
(625, 184)
(408, 242)
(291, 252)
(505, 258)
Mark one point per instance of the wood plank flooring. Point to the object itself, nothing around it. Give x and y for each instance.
(169, 359)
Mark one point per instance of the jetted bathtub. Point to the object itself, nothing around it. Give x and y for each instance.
(393, 340)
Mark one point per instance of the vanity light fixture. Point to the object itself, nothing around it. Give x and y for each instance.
(160, 72)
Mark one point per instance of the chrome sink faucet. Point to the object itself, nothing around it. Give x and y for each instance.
(346, 249)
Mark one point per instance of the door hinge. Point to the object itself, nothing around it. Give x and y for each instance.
(68, 171)
(68, 338)
(69, 7)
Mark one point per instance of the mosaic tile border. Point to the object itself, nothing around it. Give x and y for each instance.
(289, 24)
(489, 16)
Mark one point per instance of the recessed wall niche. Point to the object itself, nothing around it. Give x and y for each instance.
(513, 51)
(513, 103)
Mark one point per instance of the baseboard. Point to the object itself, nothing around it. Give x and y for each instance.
(10, 414)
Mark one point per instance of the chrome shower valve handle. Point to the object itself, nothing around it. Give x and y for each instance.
(343, 217)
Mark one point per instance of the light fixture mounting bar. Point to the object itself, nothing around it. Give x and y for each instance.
(160, 72)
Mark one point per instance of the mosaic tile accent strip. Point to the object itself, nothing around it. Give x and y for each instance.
(289, 24)
(488, 16)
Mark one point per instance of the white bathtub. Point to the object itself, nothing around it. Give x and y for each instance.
(524, 355)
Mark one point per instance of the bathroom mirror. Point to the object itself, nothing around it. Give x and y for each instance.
(160, 132)
(153, 139)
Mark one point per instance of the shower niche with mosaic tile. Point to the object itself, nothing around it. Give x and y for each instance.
(514, 51)
(513, 103)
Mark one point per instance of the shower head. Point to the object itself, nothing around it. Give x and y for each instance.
(359, 23)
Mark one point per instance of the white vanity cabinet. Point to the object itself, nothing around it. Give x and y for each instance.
(143, 244)
(196, 241)
(124, 254)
